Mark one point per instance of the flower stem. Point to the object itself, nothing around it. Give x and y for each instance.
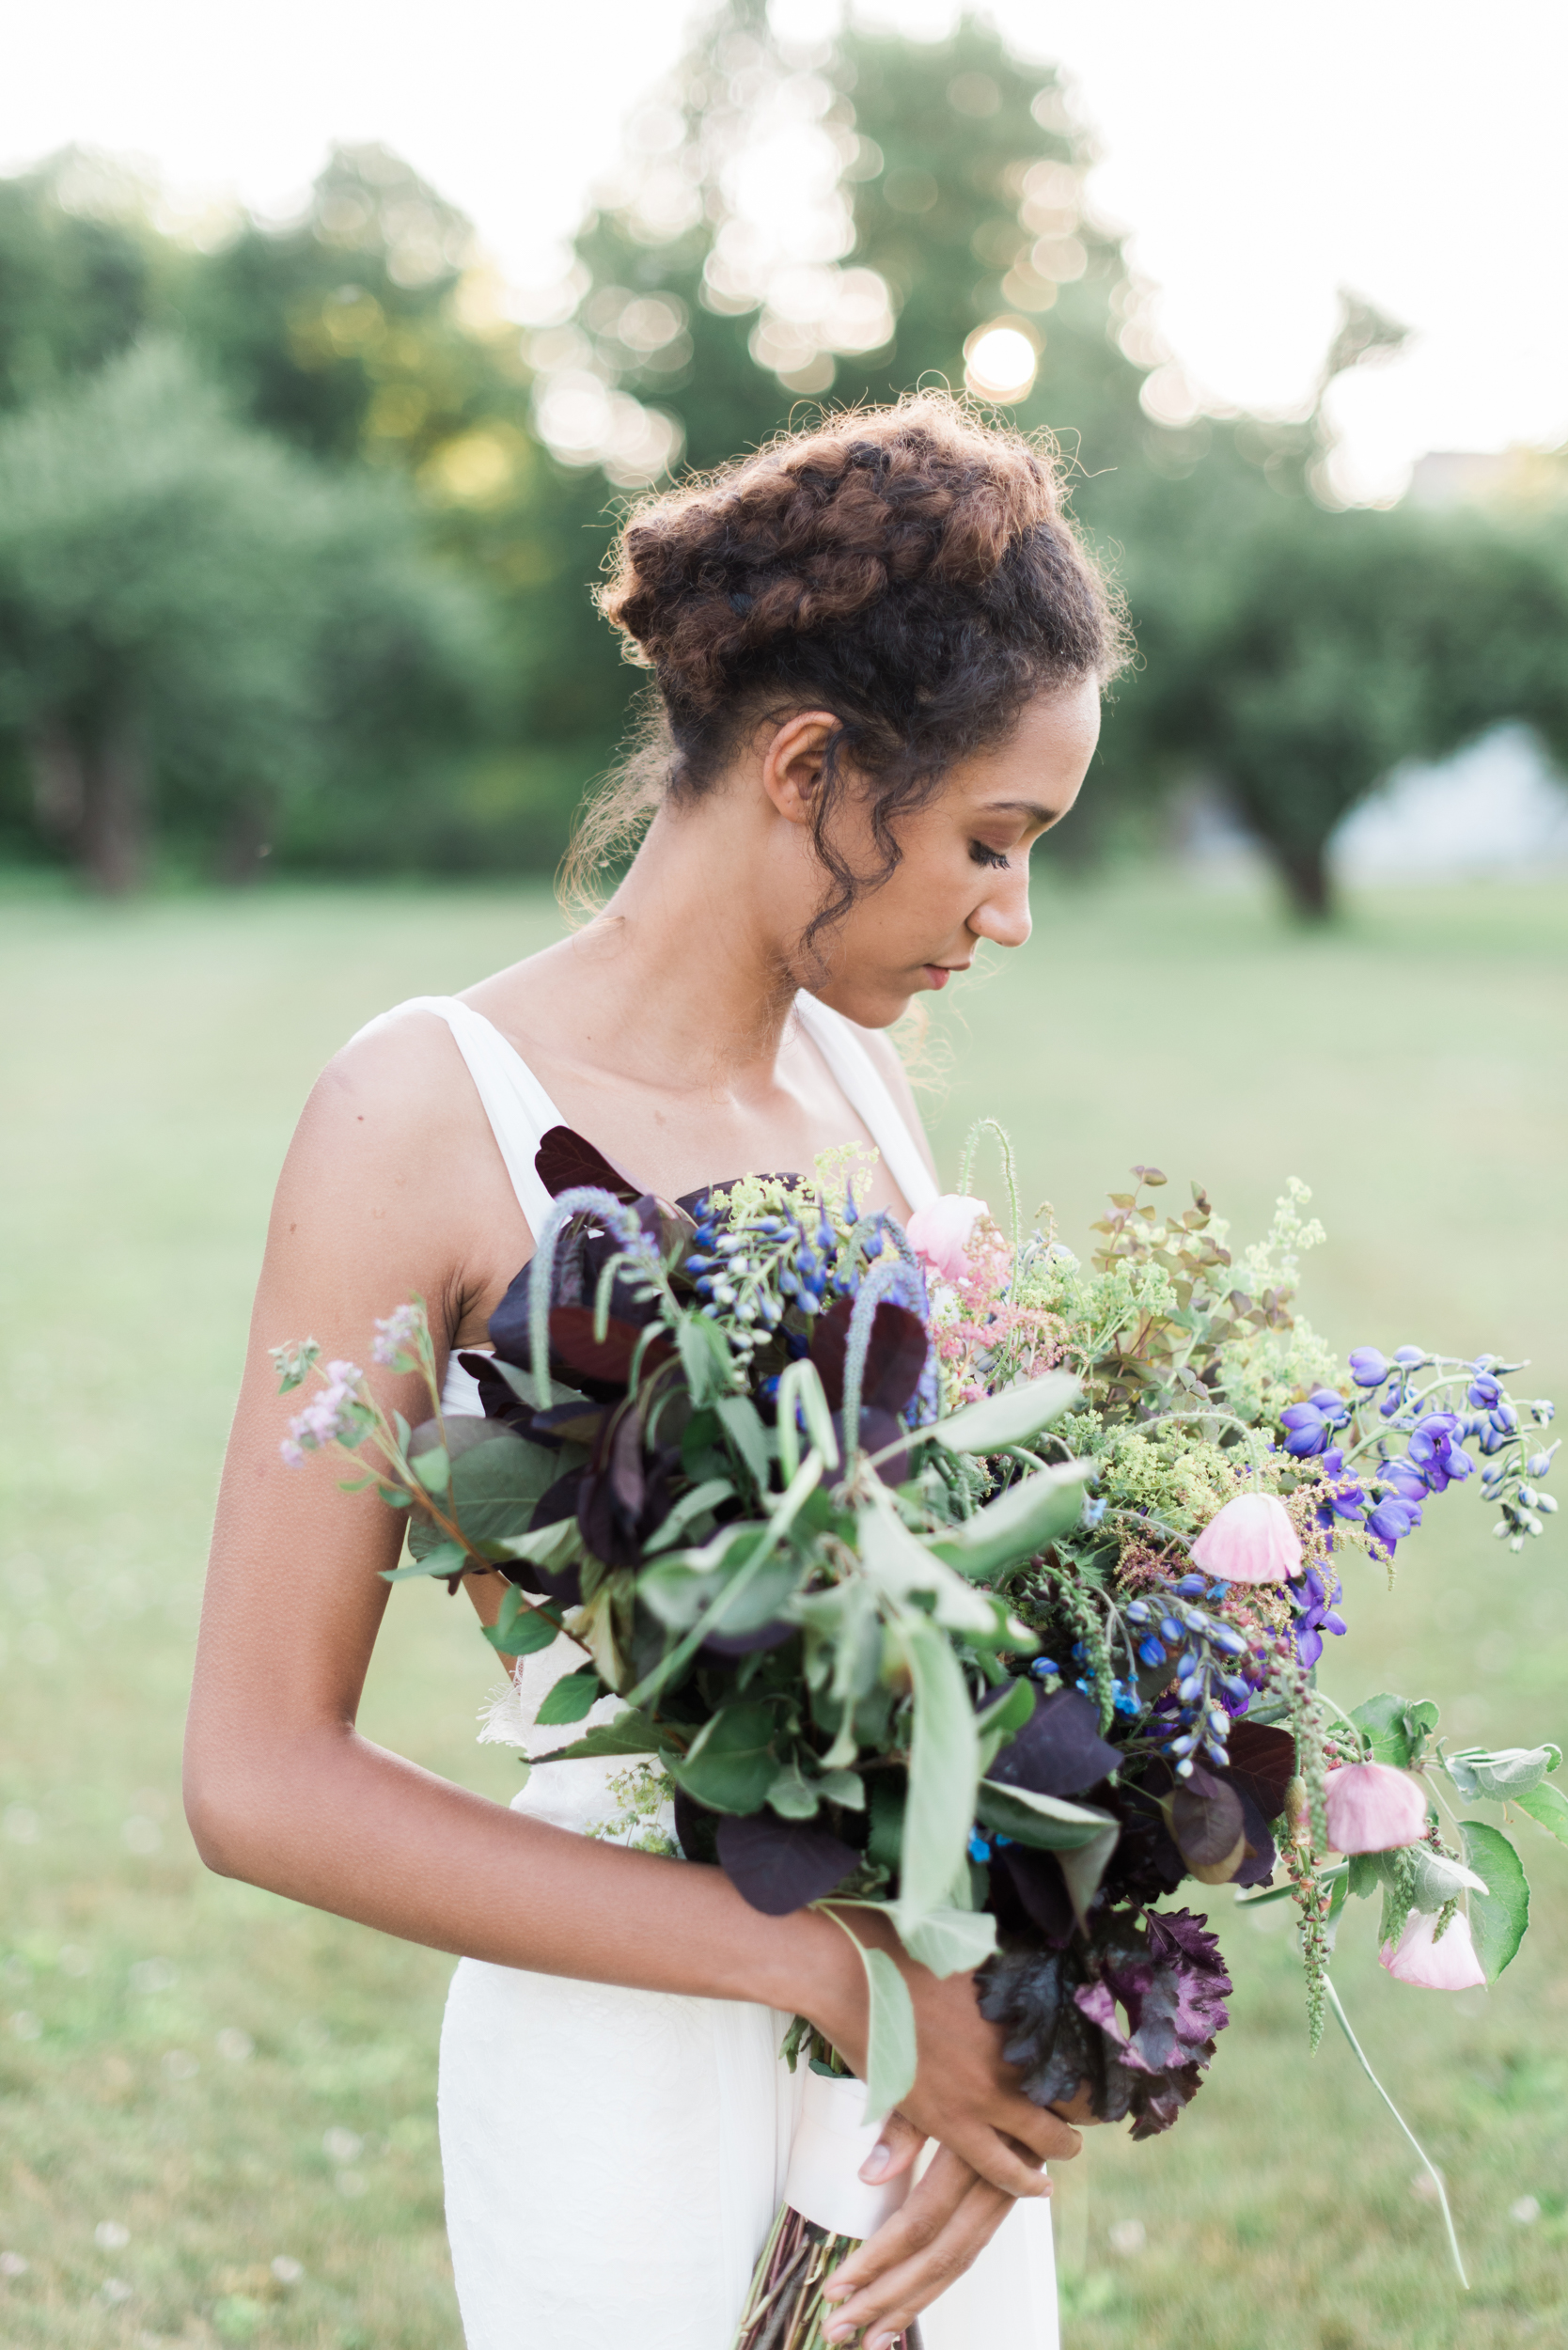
(1432, 2172)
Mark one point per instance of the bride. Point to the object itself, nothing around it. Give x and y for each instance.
(878, 651)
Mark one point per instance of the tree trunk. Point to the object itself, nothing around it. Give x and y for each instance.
(1303, 867)
(89, 791)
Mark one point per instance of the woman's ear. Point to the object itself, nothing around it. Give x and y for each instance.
(793, 762)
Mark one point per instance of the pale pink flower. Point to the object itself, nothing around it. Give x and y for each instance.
(941, 1232)
(1374, 1807)
(1451, 1965)
(1250, 1541)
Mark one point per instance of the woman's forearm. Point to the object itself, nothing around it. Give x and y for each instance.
(329, 1819)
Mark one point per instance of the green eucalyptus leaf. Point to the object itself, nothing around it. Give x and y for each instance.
(731, 1766)
(521, 1385)
(630, 1733)
(1507, 1775)
(944, 1765)
(701, 1498)
(1548, 1808)
(432, 1467)
(1436, 1880)
(743, 1424)
(1019, 1523)
(569, 1698)
(553, 1545)
(1011, 1417)
(1386, 1721)
(1049, 1823)
(705, 1358)
(791, 1797)
(900, 1565)
(1363, 1874)
(890, 2051)
(496, 1483)
(948, 1941)
(519, 1630)
(1500, 1916)
(440, 1558)
(845, 1787)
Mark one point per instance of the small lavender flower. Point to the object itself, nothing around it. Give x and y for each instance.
(336, 1416)
(397, 1334)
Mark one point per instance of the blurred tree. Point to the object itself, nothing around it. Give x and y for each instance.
(78, 272)
(1320, 650)
(197, 622)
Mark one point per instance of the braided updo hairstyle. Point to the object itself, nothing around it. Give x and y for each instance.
(909, 570)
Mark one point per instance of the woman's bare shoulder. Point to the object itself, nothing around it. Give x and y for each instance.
(393, 1167)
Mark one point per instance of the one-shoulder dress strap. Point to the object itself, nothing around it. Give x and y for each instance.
(865, 1088)
(521, 1113)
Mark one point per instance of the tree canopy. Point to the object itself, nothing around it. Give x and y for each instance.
(343, 405)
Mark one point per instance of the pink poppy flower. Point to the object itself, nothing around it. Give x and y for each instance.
(1374, 1807)
(941, 1232)
(1250, 1541)
(1451, 1965)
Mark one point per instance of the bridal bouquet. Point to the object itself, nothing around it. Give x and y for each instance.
(939, 1572)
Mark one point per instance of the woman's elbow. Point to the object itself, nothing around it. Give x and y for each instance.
(216, 1822)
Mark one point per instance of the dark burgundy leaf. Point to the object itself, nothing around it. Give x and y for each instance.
(627, 1480)
(894, 1359)
(1205, 1819)
(1257, 1868)
(781, 1865)
(1261, 1764)
(878, 1428)
(605, 1360)
(566, 1162)
(1037, 1880)
(696, 1830)
(557, 1501)
(767, 1635)
(1059, 1751)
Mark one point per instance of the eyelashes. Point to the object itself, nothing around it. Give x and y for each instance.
(997, 860)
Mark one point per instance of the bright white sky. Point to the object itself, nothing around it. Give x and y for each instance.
(1259, 155)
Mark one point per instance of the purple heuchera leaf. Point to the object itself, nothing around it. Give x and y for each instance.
(781, 1865)
(1059, 1751)
(1061, 2012)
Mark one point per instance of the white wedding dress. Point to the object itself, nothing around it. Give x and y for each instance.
(614, 2158)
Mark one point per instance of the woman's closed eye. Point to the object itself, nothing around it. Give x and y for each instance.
(998, 859)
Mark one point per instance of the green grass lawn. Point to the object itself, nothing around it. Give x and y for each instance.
(217, 2117)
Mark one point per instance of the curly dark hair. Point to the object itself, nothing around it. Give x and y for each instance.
(910, 570)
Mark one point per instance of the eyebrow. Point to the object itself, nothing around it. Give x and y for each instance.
(1031, 809)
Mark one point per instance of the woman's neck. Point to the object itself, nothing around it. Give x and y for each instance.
(698, 953)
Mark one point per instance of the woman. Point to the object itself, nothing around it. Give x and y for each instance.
(878, 651)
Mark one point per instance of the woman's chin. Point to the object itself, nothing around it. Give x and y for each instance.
(870, 1003)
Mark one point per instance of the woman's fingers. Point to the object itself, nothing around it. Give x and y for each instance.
(918, 2221)
(947, 2221)
(895, 2150)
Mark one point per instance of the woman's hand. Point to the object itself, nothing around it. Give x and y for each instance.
(965, 2094)
(950, 2219)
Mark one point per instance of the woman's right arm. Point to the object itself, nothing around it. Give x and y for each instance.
(281, 1790)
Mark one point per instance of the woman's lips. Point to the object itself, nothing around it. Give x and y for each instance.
(940, 973)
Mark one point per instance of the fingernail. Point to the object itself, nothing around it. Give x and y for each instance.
(876, 2162)
(834, 2289)
(835, 2333)
(881, 2341)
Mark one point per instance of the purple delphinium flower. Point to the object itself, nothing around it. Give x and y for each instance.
(1314, 1599)
(1306, 1429)
(1368, 1368)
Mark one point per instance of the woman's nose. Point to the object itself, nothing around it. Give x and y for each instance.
(1003, 912)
